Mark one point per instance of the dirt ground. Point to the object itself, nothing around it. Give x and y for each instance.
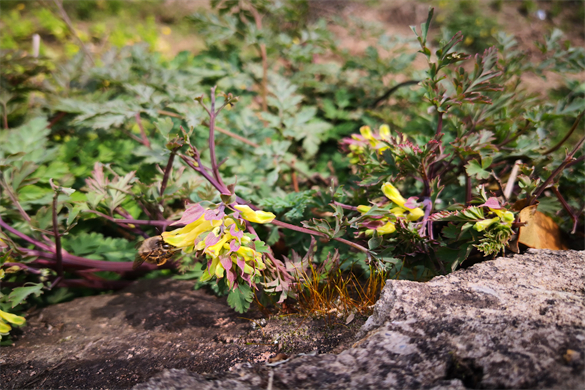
(116, 341)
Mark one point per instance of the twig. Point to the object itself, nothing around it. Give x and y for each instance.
(56, 119)
(564, 164)
(392, 90)
(67, 21)
(518, 134)
(566, 136)
(567, 208)
(169, 167)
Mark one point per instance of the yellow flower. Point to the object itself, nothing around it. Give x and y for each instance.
(484, 224)
(363, 209)
(415, 214)
(254, 216)
(385, 132)
(387, 228)
(394, 195)
(186, 236)
(7, 317)
(366, 132)
(505, 216)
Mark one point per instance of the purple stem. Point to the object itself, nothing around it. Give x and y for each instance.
(58, 253)
(23, 266)
(46, 259)
(345, 206)
(164, 223)
(314, 233)
(24, 236)
(439, 125)
(163, 184)
(212, 115)
(145, 140)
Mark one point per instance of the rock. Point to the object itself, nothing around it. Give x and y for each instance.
(508, 323)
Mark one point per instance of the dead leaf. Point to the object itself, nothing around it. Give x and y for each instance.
(541, 231)
(349, 319)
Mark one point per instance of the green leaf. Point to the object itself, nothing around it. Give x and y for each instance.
(475, 169)
(73, 212)
(240, 298)
(374, 242)
(19, 294)
(261, 247)
(425, 26)
(164, 125)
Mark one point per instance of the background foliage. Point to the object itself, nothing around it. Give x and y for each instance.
(90, 123)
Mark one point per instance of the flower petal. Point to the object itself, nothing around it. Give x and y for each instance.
(393, 194)
(385, 132)
(17, 320)
(254, 216)
(415, 214)
(388, 228)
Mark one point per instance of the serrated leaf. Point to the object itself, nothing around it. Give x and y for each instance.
(240, 298)
(164, 125)
(19, 294)
(474, 169)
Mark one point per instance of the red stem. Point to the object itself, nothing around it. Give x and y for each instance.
(145, 140)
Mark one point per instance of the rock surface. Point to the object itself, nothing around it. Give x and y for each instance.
(509, 323)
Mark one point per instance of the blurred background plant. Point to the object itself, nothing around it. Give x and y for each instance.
(102, 106)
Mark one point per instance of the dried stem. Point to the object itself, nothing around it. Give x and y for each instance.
(67, 21)
(512, 179)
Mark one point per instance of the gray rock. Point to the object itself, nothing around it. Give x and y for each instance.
(508, 323)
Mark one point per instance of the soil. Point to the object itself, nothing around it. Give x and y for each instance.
(119, 340)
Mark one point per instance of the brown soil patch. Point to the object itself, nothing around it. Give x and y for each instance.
(119, 340)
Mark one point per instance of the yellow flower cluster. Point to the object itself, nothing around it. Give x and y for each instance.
(503, 217)
(402, 210)
(357, 143)
(223, 241)
(7, 317)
